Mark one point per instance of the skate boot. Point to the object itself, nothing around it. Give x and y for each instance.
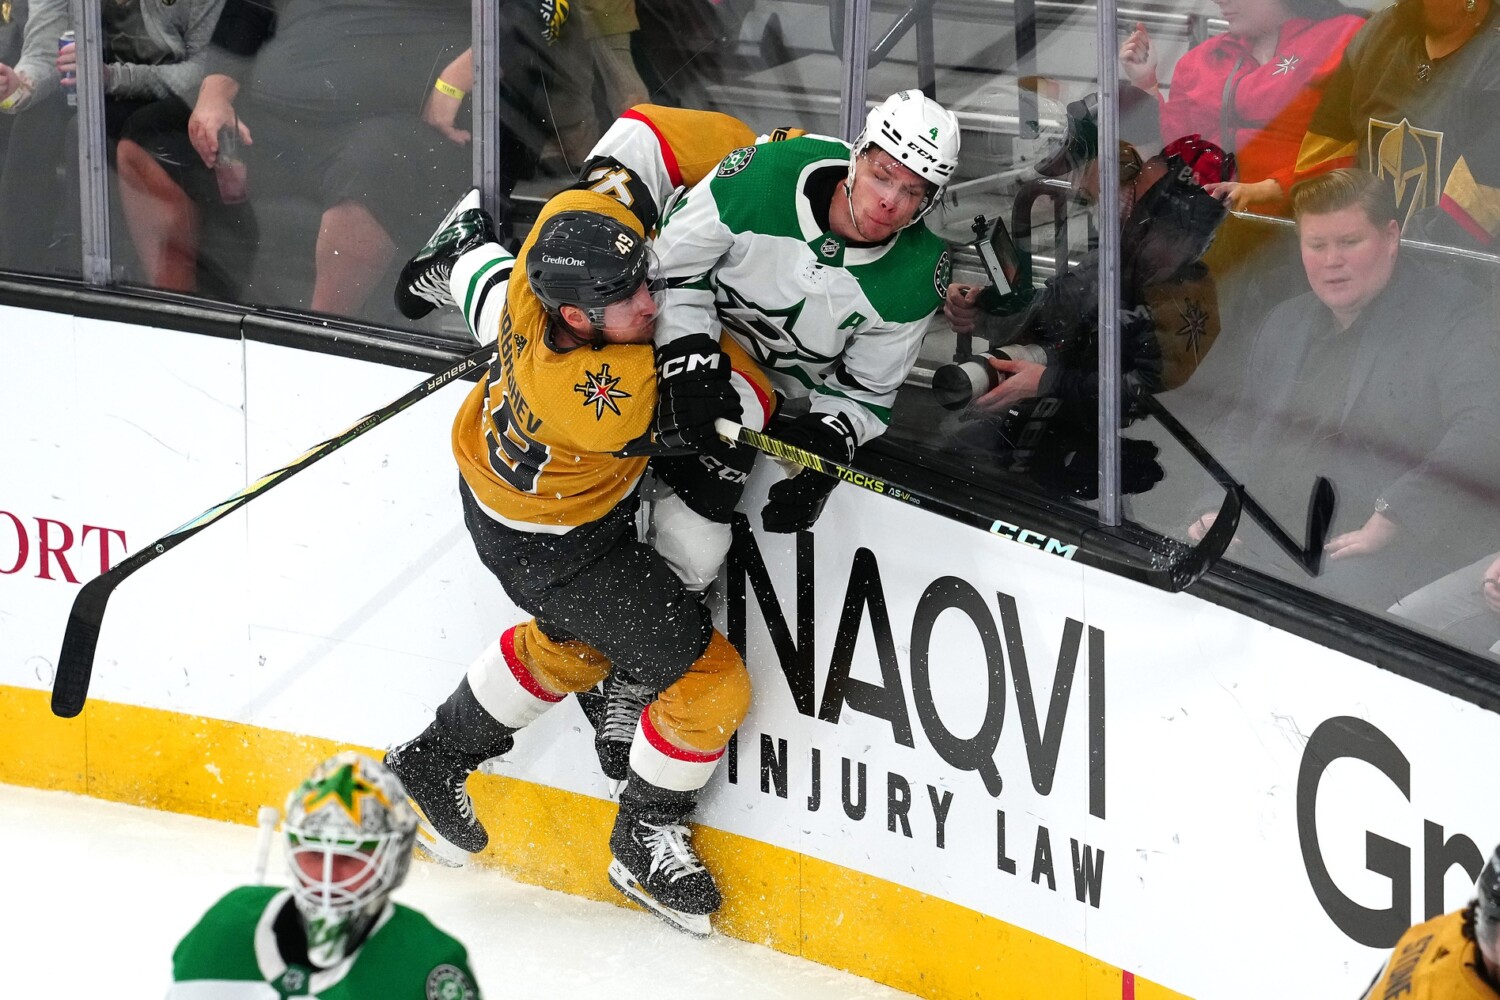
(423, 284)
(624, 700)
(435, 767)
(654, 863)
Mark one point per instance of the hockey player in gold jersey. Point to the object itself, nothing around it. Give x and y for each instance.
(552, 511)
(1452, 957)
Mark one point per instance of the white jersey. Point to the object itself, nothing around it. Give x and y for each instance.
(652, 152)
(743, 253)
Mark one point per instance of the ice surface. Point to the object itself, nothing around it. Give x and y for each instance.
(96, 895)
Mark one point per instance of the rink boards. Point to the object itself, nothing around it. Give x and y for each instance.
(972, 769)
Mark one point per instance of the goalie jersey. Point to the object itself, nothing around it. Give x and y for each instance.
(745, 253)
(237, 952)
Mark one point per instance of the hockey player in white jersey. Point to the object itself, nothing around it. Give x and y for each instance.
(811, 254)
(335, 934)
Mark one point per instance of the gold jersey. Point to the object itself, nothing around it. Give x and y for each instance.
(1433, 961)
(535, 438)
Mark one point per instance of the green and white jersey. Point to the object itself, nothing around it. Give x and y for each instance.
(743, 253)
(232, 954)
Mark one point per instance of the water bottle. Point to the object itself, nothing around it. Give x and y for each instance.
(69, 80)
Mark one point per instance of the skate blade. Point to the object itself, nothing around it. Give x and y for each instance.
(431, 846)
(468, 201)
(696, 924)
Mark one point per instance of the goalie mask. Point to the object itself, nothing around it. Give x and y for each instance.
(588, 260)
(348, 836)
(920, 133)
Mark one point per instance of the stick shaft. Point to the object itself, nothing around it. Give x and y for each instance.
(1172, 577)
(75, 664)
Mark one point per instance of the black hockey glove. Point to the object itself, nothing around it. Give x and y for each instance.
(1071, 468)
(692, 392)
(794, 505)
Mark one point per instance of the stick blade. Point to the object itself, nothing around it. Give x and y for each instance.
(75, 664)
(1213, 544)
(1320, 510)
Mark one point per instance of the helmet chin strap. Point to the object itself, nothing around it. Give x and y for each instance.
(849, 201)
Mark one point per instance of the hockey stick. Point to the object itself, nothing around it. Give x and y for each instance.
(1320, 504)
(1173, 574)
(75, 665)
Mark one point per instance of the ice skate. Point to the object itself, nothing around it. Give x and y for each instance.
(435, 784)
(624, 700)
(423, 284)
(654, 862)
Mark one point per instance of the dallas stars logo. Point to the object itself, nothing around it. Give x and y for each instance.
(345, 787)
(736, 161)
(599, 391)
(1285, 65)
(770, 334)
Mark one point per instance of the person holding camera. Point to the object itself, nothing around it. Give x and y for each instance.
(1035, 398)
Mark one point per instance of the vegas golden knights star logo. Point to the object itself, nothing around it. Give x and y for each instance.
(1411, 159)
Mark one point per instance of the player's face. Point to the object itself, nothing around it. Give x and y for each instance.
(1253, 18)
(632, 320)
(885, 196)
(1348, 258)
(348, 871)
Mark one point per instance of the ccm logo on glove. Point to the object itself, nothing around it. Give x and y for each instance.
(673, 367)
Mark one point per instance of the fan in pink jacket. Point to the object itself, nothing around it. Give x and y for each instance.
(1251, 90)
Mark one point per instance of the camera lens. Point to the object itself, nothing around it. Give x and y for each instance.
(956, 384)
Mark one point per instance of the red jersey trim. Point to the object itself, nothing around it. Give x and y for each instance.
(668, 158)
(660, 745)
(521, 672)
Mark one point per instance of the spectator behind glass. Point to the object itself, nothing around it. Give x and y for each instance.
(1381, 378)
(152, 51)
(327, 102)
(1251, 90)
(1462, 608)
(1413, 101)
(597, 42)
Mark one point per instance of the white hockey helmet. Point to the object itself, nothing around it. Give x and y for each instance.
(348, 835)
(920, 133)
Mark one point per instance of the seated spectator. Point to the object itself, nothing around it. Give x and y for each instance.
(1381, 378)
(1462, 608)
(1413, 102)
(153, 51)
(1168, 315)
(1251, 90)
(595, 43)
(12, 34)
(329, 108)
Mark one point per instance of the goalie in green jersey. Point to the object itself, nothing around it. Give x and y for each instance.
(335, 934)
